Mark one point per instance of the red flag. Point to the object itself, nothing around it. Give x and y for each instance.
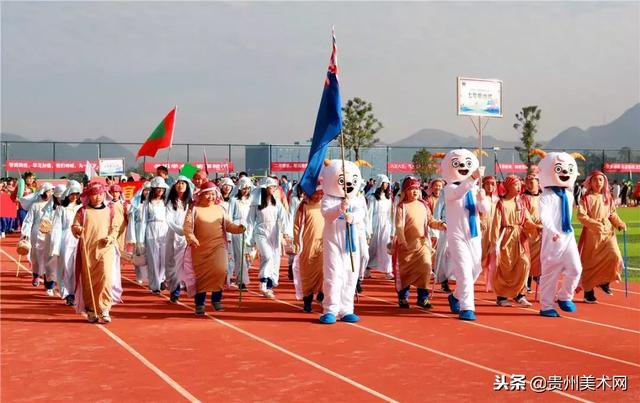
(162, 136)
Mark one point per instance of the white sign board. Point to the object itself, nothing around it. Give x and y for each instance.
(479, 97)
(111, 167)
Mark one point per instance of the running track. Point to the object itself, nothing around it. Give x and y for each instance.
(269, 350)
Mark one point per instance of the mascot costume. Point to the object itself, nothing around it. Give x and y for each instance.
(343, 213)
(464, 200)
(558, 173)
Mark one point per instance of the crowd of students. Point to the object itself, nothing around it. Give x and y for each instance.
(198, 236)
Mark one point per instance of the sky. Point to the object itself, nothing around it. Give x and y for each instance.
(248, 72)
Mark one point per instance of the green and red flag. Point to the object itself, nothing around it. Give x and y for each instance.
(162, 136)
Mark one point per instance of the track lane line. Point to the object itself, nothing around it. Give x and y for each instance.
(162, 375)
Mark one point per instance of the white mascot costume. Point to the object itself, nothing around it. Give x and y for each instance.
(558, 173)
(464, 201)
(340, 278)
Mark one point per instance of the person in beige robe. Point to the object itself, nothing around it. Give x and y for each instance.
(531, 201)
(598, 246)
(511, 223)
(490, 188)
(412, 244)
(97, 225)
(205, 228)
(308, 225)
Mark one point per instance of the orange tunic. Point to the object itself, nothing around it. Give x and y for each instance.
(96, 254)
(509, 223)
(598, 245)
(532, 202)
(310, 221)
(413, 245)
(207, 225)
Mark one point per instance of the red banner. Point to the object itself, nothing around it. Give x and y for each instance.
(8, 209)
(40, 165)
(289, 166)
(511, 167)
(130, 188)
(177, 166)
(622, 167)
(400, 166)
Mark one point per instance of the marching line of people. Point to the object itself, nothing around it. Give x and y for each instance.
(197, 237)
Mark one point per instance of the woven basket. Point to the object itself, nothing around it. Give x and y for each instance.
(45, 226)
(24, 247)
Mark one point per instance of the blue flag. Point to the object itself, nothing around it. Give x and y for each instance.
(328, 124)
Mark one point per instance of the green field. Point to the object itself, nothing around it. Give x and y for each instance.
(631, 216)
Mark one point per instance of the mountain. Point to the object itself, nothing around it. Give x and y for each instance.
(441, 138)
(622, 132)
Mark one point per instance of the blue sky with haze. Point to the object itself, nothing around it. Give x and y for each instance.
(253, 71)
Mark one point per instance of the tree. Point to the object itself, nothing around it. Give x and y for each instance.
(359, 126)
(423, 164)
(528, 119)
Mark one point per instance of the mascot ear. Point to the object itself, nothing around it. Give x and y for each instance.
(363, 163)
(477, 152)
(540, 153)
(437, 156)
(327, 162)
(578, 156)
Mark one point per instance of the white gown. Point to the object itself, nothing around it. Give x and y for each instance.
(153, 233)
(64, 245)
(40, 243)
(239, 213)
(176, 244)
(381, 223)
(265, 229)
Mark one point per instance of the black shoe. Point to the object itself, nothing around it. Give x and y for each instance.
(424, 304)
(290, 273)
(174, 299)
(163, 286)
(359, 287)
(445, 287)
(243, 287)
(403, 303)
(308, 300)
(606, 289)
(590, 297)
(320, 297)
(157, 292)
(200, 310)
(69, 300)
(218, 306)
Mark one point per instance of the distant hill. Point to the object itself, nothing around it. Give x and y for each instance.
(441, 138)
(622, 132)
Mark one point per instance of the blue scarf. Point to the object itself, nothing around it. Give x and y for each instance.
(566, 213)
(470, 204)
(350, 241)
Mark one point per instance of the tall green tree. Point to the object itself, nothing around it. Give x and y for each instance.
(527, 126)
(423, 164)
(359, 126)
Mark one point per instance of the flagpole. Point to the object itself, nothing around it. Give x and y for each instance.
(344, 188)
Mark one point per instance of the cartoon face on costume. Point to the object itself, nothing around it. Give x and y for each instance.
(333, 181)
(558, 169)
(458, 165)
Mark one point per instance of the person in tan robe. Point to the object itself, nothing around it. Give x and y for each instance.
(511, 223)
(489, 185)
(96, 224)
(598, 246)
(531, 201)
(205, 228)
(412, 244)
(308, 225)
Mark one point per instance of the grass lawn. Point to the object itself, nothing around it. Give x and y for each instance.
(631, 216)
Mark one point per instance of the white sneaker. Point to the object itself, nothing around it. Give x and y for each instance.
(50, 293)
(263, 287)
(522, 301)
(3, 235)
(105, 317)
(389, 276)
(504, 302)
(269, 294)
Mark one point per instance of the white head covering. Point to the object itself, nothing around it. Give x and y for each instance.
(73, 187)
(226, 181)
(380, 179)
(245, 182)
(269, 182)
(158, 182)
(59, 190)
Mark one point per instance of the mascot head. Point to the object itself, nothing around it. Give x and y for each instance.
(458, 165)
(333, 180)
(558, 169)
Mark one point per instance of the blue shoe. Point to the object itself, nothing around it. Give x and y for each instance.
(550, 313)
(467, 315)
(454, 304)
(328, 318)
(350, 318)
(567, 306)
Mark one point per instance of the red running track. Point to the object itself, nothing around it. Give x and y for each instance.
(271, 350)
